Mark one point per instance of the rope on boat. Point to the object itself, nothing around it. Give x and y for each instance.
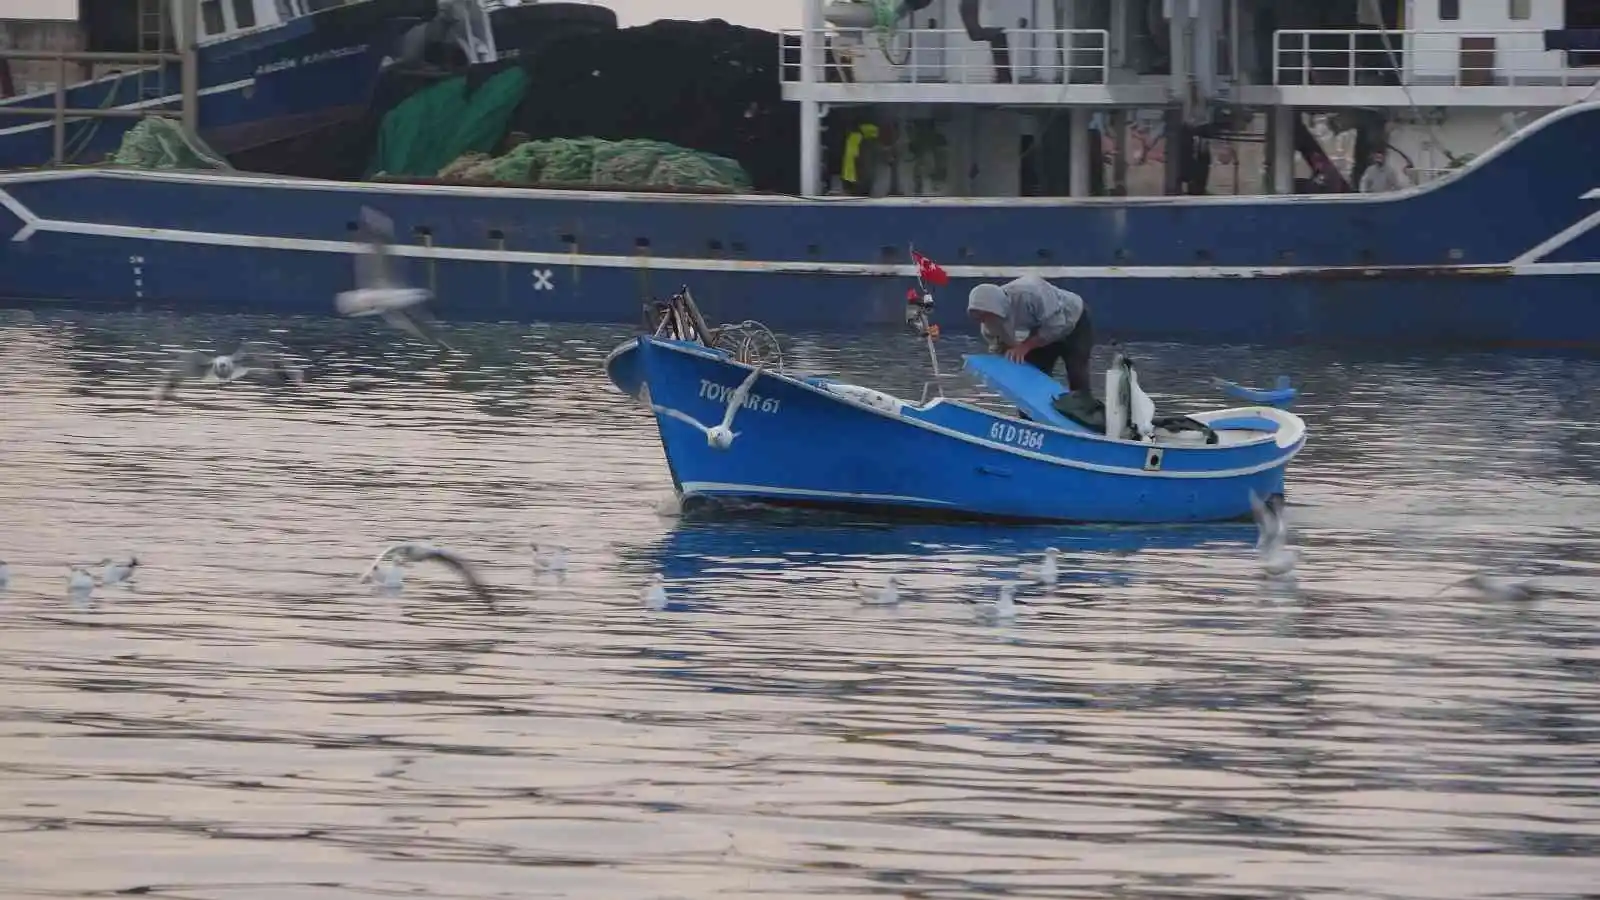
(751, 343)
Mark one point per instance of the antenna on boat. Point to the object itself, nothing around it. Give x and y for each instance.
(919, 312)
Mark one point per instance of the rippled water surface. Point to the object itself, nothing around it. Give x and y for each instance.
(248, 722)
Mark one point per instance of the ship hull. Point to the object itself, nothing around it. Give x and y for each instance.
(1504, 253)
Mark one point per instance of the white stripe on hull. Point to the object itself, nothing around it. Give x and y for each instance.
(33, 224)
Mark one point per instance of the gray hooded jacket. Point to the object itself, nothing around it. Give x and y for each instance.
(1029, 305)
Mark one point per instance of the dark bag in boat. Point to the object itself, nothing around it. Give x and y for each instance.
(1084, 408)
(1090, 411)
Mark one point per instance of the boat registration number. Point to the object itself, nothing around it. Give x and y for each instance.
(1026, 438)
(721, 393)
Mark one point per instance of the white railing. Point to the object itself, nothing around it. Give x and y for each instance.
(947, 56)
(1466, 59)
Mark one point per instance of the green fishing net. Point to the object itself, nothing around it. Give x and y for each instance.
(157, 143)
(584, 162)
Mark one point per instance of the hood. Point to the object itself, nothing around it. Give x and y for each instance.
(989, 298)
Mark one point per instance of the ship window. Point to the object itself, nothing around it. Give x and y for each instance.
(1449, 10)
(211, 16)
(244, 13)
(1521, 10)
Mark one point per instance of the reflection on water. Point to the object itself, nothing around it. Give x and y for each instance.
(249, 723)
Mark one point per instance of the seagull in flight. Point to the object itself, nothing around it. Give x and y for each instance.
(720, 435)
(387, 568)
(379, 291)
(253, 359)
(1499, 589)
(1277, 557)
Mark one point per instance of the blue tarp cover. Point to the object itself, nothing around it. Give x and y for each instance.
(1031, 390)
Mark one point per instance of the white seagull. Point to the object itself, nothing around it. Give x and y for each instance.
(1498, 589)
(117, 571)
(888, 595)
(80, 583)
(252, 359)
(655, 594)
(550, 558)
(719, 436)
(378, 291)
(1001, 609)
(386, 570)
(1046, 572)
(1277, 557)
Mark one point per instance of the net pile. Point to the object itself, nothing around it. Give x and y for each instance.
(709, 85)
(434, 126)
(158, 143)
(592, 162)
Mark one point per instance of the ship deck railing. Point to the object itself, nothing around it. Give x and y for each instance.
(59, 113)
(944, 64)
(1463, 60)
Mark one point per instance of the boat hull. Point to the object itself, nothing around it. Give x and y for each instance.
(800, 444)
(1505, 253)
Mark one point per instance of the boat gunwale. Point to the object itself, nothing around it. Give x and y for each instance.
(1296, 430)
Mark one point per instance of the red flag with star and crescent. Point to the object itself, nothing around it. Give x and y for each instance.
(929, 271)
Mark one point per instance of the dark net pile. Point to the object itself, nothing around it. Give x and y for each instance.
(707, 86)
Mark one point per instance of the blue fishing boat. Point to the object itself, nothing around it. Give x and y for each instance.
(733, 431)
(1496, 244)
(267, 70)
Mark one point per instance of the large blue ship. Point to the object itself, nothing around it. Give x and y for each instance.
(1491, 244)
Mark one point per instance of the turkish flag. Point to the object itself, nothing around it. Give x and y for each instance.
(929, 271)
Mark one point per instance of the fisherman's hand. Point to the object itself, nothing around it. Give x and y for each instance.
(1018, 353)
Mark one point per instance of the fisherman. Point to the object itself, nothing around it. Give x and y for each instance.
(1379, 178)
(1056, 323)
(860, 159)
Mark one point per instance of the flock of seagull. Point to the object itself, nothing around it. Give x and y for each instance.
(379, 292)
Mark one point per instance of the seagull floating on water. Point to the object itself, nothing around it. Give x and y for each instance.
(1272, 546)
(387, 569)
(256, 359)
(721, 435)
(117, 571)
(1046, 572)
(655, 594)
(80, 583)
(550, 558)
(379, 292)
(1001, 609)
(888, 595)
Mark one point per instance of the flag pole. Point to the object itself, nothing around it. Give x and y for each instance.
(929, 330)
